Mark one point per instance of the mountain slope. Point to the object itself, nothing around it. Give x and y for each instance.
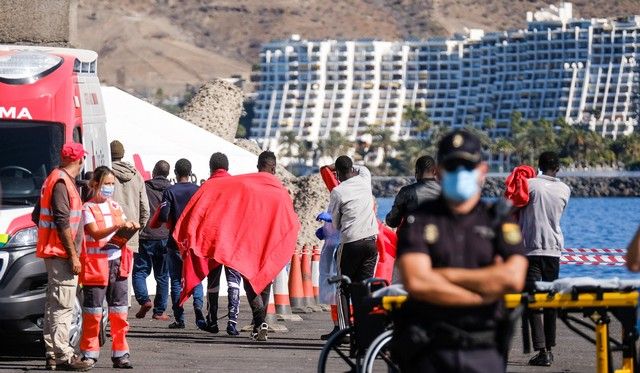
(168, 43)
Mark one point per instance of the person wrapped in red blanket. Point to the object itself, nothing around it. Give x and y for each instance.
(246, 222)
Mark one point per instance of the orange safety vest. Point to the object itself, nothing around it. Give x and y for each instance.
(95, 256)
(49, 244)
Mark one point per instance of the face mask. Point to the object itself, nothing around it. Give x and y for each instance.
(107, 190)
(460, 185)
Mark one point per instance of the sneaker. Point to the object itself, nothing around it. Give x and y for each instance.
(75, 364)
(212, 328)
(325, 337)
(122, 362)
(231, 329)
(144, 308)
(201, 323)
(542, 359)
(50, 363)
(260, 334)
(176, 325)
(160, 316)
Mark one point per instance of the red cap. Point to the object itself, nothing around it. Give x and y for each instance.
(72, 151)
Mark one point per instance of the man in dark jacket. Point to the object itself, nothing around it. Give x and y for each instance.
(153, 251)
(426, 188)
(174, 200)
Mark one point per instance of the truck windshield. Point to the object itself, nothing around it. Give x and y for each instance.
(28, 152)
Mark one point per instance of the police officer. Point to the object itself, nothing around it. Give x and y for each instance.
(457, 257)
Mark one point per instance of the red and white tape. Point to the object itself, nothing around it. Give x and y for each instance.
(606, 260)
(593, 251)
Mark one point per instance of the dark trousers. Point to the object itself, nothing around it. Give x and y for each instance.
(115, 292)
(356, 260)
(174, 260)
(258, 303)
(152, 255)
(452, 361)
(543, 322)
(233, 293)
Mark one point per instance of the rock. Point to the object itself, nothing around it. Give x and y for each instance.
(311, 198)
(216, 107)
(40, 22)
(623, 186)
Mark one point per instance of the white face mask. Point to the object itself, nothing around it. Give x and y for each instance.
(107, 190)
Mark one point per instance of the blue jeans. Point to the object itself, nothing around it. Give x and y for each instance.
(152, 254)
(175, 272)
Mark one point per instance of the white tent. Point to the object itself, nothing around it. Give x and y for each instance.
(154, 134)
(150, 134)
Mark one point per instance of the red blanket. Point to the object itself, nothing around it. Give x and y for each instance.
(517, 187)
(386, 242)
(245, 222)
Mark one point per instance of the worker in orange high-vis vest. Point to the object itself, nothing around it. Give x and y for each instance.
(57, 215)
(105, 269)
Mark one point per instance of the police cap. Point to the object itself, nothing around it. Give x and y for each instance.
(458, 148)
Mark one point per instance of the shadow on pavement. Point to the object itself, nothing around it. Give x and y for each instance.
(14, 356)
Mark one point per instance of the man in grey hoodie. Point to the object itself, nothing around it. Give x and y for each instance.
(543, 241)
(130, 193)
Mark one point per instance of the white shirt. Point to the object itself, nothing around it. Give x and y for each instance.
(352, 207)
(108, 221)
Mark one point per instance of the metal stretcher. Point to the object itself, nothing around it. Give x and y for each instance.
(596, 300)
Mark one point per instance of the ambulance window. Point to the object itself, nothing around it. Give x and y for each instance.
(28, 153)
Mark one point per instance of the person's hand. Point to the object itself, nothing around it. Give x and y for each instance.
(76, 267)
(136, 225)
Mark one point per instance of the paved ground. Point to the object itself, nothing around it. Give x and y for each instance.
(157, 349)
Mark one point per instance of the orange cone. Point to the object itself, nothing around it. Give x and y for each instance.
(307, 283)
(296, 292)
(271, 318)
(281, 296)
(315, 273)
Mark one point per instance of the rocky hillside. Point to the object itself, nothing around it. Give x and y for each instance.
(149, 44)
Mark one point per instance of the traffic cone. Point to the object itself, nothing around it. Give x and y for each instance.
(296, 292)
(315, 273)
(271, 318)
(281, 296)
(315, 277)
(307, 283)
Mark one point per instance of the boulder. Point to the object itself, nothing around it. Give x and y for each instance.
(41, 22)
(216, 107)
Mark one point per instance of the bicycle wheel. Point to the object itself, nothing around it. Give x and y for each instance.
(336, 355)
(378, 357)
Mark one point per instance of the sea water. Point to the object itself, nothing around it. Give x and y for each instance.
(588, 223)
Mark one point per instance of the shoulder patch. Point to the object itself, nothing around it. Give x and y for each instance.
(431, 233)
(511, 233)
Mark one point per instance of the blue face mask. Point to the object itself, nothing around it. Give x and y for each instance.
(460, 185)
(107, 190)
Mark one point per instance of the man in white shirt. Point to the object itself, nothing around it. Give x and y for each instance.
(543, 241)
(352, 209)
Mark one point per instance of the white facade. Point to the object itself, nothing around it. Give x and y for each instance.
(582, 70)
